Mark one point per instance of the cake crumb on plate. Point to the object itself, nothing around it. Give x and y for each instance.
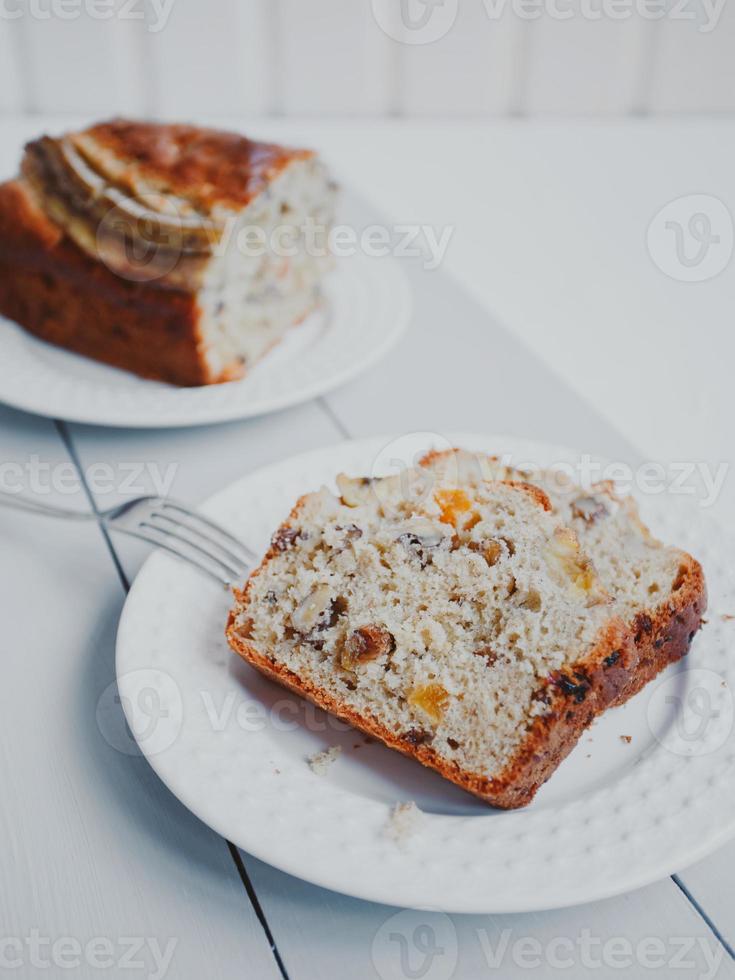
(321, 762)
(403, 822)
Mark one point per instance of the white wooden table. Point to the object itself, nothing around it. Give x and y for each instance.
(586, 343)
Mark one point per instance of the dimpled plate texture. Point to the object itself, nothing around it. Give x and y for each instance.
(649, 789)
(368, 305)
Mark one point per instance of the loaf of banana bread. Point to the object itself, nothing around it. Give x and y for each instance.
(172, 251)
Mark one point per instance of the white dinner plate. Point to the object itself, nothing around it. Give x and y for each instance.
(648, 790)
(368, 305)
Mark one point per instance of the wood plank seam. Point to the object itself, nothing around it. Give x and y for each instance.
(333, 417)
(238, 861)
(703, 914)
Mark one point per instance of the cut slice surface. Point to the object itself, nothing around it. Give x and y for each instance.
(658, 589)
(460, 622)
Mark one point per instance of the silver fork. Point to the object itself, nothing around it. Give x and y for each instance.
(166, 524)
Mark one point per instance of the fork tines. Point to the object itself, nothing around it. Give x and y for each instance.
(197, 539)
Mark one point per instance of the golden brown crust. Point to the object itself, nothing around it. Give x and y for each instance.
(573, 698)
(536, 493)
(63, 296)
(664, 634)
(578, 696)
(208, 167)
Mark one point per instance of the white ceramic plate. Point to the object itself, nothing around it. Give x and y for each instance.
(368, 307)
(233, 746)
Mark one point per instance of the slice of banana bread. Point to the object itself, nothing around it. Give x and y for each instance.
(659, 590)
(460, 623)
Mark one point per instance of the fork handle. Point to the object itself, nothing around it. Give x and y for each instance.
(30, 506)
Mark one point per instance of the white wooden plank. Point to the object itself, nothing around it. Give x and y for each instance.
(578, 65)
(710, 883)
(83, 61)
(209, 58)
(321, 934)
(472, 69)
(93, 849)
(11, 81)
(693, 68)
(191, 465)
(333, 58)
(456, 369)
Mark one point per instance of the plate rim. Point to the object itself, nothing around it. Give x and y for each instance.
(330, 877)
(402, 305)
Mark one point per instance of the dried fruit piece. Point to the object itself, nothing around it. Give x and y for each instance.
(245, 628)
(488, 654)
(491, 550)
(365, 644)
(433, 699)
(530, 600)
(453, 504)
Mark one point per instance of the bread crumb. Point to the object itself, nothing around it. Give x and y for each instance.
(727, 617)
(321, 762)
(404, 821)
(626, 738)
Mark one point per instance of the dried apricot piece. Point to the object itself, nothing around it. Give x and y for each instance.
(433, 699)
(454, 503)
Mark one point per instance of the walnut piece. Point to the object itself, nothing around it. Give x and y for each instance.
(354, 492)
(421, 531)
(285, 538)
(564, 556)
(365, 644)
(312, 609)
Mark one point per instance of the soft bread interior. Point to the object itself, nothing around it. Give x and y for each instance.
(634, 567)
(266, 274)
(446, 612)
